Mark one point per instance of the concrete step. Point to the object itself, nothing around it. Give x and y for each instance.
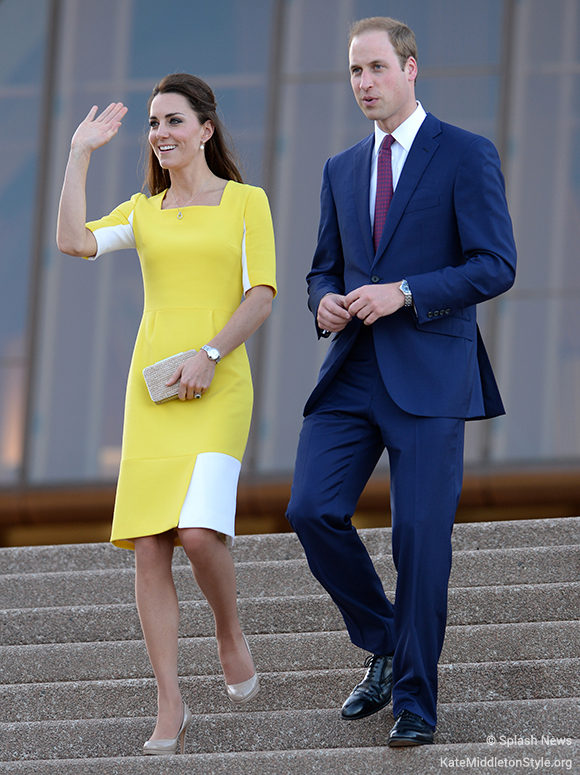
(509, 666)
(285, 546)
(286, 730)
(296, 690)
(479, 758)
(281, 652)
(516, 533)
(520, 641)
(269, 578)
(309, 613)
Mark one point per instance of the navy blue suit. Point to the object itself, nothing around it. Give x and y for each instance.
(407, 383)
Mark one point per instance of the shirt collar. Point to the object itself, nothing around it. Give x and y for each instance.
(406, 132)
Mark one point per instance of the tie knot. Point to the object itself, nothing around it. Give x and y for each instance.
(388, 140)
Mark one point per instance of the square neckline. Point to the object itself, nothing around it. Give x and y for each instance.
(188, 207)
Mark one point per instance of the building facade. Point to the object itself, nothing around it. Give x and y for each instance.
(507, 69)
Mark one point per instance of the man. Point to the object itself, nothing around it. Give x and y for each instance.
(414, 232)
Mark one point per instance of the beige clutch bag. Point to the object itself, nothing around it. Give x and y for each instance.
(158, 373)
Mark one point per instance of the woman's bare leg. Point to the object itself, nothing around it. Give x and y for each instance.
(159, 615)
(214, 572)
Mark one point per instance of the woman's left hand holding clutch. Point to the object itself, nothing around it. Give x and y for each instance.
(196, 375)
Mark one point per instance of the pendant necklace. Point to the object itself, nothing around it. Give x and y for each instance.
(179, 209)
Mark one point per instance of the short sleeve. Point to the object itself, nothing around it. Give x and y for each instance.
(258, 247)
(115, 231)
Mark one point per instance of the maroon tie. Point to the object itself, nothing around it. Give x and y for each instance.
(384, 188)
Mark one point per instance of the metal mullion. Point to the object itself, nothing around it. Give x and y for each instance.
(39, 220)
(556, 207)
(105, 268)
(260, 338)
(508, 52)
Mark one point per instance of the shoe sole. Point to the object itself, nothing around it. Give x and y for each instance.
(402, 743)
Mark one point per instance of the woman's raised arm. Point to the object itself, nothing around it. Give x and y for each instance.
(72, 236)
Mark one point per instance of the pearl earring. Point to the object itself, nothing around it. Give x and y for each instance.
(201, 147)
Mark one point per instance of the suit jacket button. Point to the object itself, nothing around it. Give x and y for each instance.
(375, 279)
(447, 311)
(429, 314)
(436, 313)
(442, 312)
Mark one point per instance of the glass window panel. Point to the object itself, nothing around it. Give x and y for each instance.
(17, 191)
(23, 28)
(540, 379)
(106, 22)
(316, 39)
(12, 397)
(448, 32)
(223, 37)
(471, 102)
(293, 340)
(244, 110)
(545, 32)
(23, 38)
(538, 179)
(539, 353)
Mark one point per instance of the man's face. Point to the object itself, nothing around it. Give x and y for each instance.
(384, 91)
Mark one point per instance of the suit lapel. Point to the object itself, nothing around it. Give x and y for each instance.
(362, 179)
(422, 150)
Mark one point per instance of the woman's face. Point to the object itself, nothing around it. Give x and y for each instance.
(175, 133)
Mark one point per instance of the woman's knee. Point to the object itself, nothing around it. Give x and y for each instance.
(153, 551)
(199, 542)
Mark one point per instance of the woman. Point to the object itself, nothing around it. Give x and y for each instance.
(205, 241)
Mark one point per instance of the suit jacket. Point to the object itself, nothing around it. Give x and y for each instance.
(449, 233)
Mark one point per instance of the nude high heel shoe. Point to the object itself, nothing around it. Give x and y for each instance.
(167, 747)
(246, 690)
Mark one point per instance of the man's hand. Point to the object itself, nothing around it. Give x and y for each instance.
(332, 313)
(371, 302)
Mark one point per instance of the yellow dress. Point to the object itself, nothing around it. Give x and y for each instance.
(195, 272)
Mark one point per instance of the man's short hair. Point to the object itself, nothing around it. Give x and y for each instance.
(402, 37)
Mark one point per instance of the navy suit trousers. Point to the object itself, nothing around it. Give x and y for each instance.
(340, 444)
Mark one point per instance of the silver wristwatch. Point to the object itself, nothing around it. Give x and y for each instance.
(212, 353)
(404, 287)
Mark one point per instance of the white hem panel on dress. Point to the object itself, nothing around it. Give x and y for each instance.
(211, 498)
(111, 238)
(245, 276)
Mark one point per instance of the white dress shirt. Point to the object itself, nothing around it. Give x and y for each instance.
(404, 135)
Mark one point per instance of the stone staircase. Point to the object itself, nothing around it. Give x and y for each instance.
(77, 693)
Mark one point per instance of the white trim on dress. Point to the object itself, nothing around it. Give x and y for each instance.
(211, 498)
(245, 276)
(111, 238)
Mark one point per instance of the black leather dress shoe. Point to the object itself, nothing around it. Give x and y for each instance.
(410, 729)
(374, 691)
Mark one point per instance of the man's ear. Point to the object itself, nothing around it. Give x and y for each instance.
(411, 68)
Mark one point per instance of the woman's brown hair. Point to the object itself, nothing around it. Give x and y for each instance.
(219, 153)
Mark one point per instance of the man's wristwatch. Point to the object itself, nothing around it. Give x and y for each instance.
(212, 353)
(404, 287)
